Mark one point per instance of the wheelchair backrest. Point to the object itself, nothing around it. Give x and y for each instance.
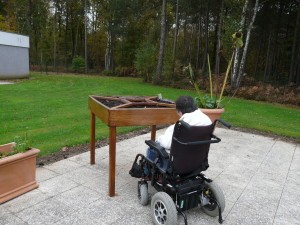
(190, 147)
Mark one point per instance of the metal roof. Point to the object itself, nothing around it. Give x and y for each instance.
(12, 39)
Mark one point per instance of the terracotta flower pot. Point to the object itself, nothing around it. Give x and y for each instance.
(213, 114)
(17, 173)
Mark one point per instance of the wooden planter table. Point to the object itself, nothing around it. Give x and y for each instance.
(118, 111)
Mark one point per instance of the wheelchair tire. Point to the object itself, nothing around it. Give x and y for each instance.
(163, 209)
(143, 194)
(216, 192)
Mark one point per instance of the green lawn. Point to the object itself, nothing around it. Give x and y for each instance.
(53, 111)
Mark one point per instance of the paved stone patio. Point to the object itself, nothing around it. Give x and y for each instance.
(259, 176)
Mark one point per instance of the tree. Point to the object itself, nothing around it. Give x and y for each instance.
(293, 65)
(145, 60)
(180, 31)
(157, 78)
(239, 64)
(204, 62)
(218, 50)
(236, 61)
(243, 60)
(175, 34)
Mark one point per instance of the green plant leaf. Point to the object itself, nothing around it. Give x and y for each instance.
(21, 145)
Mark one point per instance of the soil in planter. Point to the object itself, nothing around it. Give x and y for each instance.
(113, 103)
(110, 103)
(146, 106)
(164, 101)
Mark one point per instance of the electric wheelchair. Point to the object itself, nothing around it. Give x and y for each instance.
(178, 176)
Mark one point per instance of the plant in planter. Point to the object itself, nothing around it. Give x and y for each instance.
(211, 104)
(17, 169)
(208, 104)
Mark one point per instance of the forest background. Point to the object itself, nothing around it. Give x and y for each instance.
(156, 39)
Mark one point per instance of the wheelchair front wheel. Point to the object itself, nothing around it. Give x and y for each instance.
(212, 190)
(143, 194)
(163, 209)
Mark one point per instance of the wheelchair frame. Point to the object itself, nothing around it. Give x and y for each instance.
(185, 195)
(186, 192)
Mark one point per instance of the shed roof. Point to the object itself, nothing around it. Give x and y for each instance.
(12, 39)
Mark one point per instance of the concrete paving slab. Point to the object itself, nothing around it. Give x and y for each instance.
(260, 178)
(63, 166)
(286, 215)
(46, 213)
(56, 185)
(26, 201)
(83, 159)
(9, 218)
(43, 174)
(77, 218)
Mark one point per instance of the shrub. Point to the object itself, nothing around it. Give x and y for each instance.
(78, 64)
(123, 71)
(108, 73)
(146, 61)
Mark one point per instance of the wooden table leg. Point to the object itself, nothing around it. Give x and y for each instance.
(153, 132)
(112, 160)
(92, 141)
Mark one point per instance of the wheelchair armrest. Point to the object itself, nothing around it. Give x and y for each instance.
(224, 123)
(161, 151)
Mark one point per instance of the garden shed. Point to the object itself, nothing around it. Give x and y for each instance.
(14, 55)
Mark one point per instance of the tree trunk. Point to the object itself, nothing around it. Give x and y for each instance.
(257, 60)
(199, 42)
(276, 50)
(85, 39)
(236, 61)
(191, 43)
(243, 60)
(206, 39)
(109, 50)
(175, 36)
(76, 36)
(267, 65)
(293, 65)
(218, 50)
(54, 40)
(297, 69)
(162, 44)
(66, 38)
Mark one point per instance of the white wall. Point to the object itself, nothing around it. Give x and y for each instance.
(14, 56)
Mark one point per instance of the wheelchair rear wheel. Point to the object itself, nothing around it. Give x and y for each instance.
(143, 194)
(163, 209)
(212, 190)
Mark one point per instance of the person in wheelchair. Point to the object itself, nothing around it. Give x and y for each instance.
(177, 175)
(188, 113)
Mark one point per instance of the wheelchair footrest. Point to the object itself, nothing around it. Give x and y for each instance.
(138, 167)
(136, 171)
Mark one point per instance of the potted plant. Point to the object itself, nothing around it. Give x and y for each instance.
(211, 104)
(17, 169)
(208, 104)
